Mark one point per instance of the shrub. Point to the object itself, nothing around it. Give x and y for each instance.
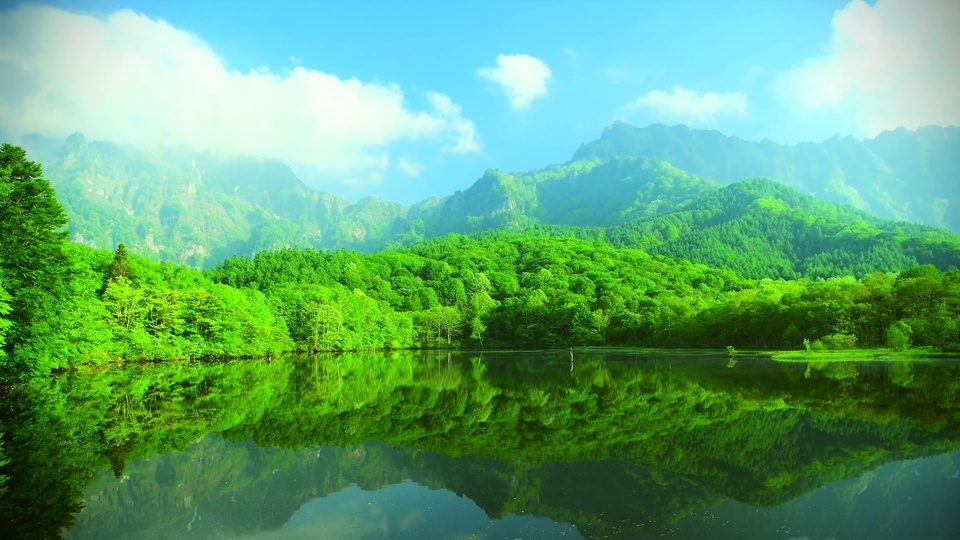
(839, 342)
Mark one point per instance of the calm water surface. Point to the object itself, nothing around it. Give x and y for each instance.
(505, 445)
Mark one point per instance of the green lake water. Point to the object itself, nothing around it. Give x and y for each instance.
(493, 446)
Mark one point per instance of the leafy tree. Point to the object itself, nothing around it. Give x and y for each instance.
(477, 328)
(898, 336)
(324, 325)
(445, 322)
(126, 303)
(33, 267)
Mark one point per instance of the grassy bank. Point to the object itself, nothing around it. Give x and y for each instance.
(862, 354)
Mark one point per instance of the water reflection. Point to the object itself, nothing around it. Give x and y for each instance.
(239, 490)
(508, 445)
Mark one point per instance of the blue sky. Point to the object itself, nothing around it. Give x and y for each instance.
(405, 100)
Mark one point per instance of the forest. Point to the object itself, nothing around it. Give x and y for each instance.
(63, 303)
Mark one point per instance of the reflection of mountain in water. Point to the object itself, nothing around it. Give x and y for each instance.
(618, 443)
(225, 489)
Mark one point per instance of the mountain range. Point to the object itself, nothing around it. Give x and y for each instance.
(901, 174)
(198, 208)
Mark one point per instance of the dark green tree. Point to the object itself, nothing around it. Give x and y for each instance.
(119, 268)
(33, 266)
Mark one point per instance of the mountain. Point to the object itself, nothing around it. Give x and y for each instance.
(903, 175)
(762, 228)
(580, 193)
(197, 207)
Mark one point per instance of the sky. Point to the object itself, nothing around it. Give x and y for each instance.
(407, 100)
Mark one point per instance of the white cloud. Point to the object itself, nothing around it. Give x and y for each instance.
(691, 107)
(132, 79)
(464, 136)
(887, 65)
(522, 77)
(410, 168)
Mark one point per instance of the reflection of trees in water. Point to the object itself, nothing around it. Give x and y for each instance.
(684, 431)
(47, 468)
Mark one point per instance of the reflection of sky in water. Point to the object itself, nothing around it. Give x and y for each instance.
(409, 510)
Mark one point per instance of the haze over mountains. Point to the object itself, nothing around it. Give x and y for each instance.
(198, 208)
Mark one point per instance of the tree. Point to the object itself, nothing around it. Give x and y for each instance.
(445, 323)
(898, 336)
(479, 305)
(601, 321)
(477, 328)
(4, 323)
(126, 302)
(33, 266)
(119, 268)
(324, 325)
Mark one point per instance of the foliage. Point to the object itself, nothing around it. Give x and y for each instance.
(4, 322)
(33, 268)
(118, 269)
(762, 228)
(62, 303)
(519, 289)
(898, 336)
(839, 342)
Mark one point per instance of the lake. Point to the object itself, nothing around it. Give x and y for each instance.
(611, 444)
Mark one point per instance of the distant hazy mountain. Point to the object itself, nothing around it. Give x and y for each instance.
(195, 207)
(901, 174)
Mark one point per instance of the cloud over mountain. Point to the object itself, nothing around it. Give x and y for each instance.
(887, 65)
(522, 77)
(689, 106)
(128, 78)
